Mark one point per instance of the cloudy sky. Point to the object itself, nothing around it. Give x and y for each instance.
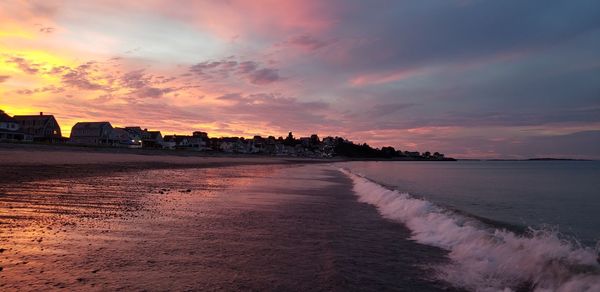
(470, 78)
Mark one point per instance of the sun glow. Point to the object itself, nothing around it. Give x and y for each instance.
(15, 32)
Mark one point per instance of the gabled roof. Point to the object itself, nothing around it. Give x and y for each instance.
(155, 134)
(134, 129)
(177, 138)
(91, 125)
(91, 129)
(33, 117)
(5, 118)
(33, 122)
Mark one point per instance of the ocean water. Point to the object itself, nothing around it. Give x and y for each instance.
(507, 225)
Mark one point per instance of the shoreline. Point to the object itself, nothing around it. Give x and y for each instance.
(38, 163)
(31, 147)
(136, 151)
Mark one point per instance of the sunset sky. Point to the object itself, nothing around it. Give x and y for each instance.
(469, 78)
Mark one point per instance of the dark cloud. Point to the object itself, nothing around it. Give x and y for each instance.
(264, 76)
(307, 42)
(58, 70)
(144, 85)
(163, 79)
(223, 69)
(411, 34)
(135, 79)
(4, 78)
(47, 29)
(50, 88)
(80, 77)
(209, 69)
(152, 92)
(247, 67)
(231, 96)
(24, 65)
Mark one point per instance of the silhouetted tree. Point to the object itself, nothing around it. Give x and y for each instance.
(314, 139)
(289, 140)
(388, 152)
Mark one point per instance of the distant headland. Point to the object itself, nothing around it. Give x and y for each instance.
(528, 159)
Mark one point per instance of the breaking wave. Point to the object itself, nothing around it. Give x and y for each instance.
(484, 258)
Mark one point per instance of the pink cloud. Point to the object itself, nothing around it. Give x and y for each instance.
(385, 77)
(240, 19)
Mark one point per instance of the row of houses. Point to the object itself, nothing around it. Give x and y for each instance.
(45, 128)
(30, 128)
(103, 133)
(303, 147)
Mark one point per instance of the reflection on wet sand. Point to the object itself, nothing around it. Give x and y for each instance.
(231, 228)
(53, 229)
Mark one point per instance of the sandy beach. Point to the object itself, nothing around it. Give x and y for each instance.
(125, 222)
(19, 163)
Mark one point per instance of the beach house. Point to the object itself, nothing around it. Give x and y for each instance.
(137, 134)
(93, 133)
(176, 141)
(43, 128)
(124, 138)
(152, 139)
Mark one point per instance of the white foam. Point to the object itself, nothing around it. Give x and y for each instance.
(483, 258)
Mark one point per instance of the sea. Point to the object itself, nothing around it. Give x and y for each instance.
(530, 225)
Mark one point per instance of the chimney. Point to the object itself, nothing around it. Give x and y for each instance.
(41, 113)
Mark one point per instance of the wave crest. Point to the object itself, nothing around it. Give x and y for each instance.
(484, 258)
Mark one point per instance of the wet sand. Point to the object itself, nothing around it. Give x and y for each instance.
(35, 162)
(245, 227)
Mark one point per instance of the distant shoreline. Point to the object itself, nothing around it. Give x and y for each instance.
(188, 153)
(528, 159)
(191, 153)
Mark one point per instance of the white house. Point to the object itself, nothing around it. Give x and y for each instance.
(11, 131)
